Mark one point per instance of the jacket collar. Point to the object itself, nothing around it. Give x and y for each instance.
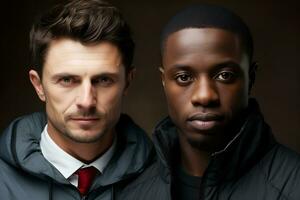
(246, 148)
(19, 147)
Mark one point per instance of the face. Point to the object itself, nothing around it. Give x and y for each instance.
(205, 78)
(82, 87)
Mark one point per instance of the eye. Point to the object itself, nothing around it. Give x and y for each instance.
(103, 81)
(183, 78)
(225, 76)
(67, 81)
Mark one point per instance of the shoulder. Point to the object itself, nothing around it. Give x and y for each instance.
(281, 161)
(4, 183)
(11, 174)
(8, 176)
(20, 134)
(275, 176)
(5, 169)
(281, 168)
(16, 184)
(148, 185)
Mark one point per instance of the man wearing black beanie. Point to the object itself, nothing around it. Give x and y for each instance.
(215, 144)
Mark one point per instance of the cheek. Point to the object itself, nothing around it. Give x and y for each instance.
(110, 99)
(59, 100)
(177, 100)
(234, 98)
(242, 93)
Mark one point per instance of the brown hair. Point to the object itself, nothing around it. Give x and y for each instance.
(87, 21)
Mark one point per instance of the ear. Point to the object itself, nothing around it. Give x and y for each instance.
(252, 75)
(162, 75)
(37, 84)
(129, 77)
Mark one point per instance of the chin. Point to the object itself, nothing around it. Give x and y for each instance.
(208, 141)
(85, 139)
(200, 142)
(84, 136)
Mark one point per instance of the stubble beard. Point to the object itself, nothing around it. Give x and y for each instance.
(84, 138)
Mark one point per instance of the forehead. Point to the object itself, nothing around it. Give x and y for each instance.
(66, 55)
(207, 45)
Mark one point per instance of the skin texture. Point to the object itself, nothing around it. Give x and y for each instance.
(83, 87)
(206, 83)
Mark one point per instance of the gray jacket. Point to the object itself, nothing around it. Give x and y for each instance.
(26, 175)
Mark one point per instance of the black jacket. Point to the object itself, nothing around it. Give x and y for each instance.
(251, 167)
(26, 175)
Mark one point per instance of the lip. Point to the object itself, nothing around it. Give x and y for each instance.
(205, 117)
(204, 121)
(85, 121)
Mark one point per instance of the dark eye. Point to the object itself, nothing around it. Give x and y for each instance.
(183, 78)
(225, 76)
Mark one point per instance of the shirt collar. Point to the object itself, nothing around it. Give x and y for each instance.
(66, 164)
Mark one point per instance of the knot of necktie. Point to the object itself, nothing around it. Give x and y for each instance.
(85, 179)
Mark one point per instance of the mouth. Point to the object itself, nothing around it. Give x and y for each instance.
(204, 121)
(85, 121)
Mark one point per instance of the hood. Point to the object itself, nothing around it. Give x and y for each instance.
(250, 143)
(20, 148)
(134, 153)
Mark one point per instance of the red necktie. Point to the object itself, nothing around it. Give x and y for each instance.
(85, 179)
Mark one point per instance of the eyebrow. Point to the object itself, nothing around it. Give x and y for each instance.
(110, 74)
(181, 67)
(178, 67)
(63, 74)
(217, 66)
(60, 75)
(229, 63)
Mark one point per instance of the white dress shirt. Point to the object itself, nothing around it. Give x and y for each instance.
(66, 164)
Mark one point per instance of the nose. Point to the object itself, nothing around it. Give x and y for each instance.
(86, 98)
(205, 93)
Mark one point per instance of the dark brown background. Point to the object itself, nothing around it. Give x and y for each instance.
(276, 32)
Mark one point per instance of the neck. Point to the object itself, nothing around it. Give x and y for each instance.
(85, 152)
(193, 160)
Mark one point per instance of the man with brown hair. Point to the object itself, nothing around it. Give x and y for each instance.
(84, 148)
